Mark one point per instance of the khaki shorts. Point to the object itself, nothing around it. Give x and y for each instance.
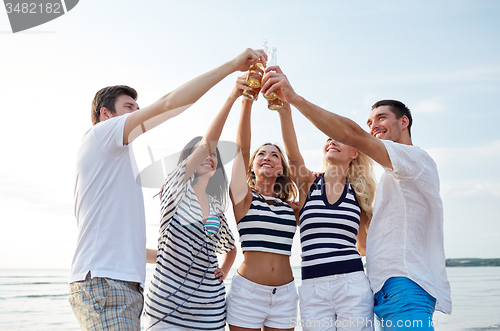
(106, 304)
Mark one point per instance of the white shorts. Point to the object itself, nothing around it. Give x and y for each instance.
(343, 302)
(162, 326)
(251, 305)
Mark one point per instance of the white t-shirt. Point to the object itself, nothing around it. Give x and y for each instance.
(109, 207)
(406, 232)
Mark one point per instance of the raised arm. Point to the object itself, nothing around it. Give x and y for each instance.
(239, 191)
(183, 97)
(335, 126)
(302, 176)
(211, 138)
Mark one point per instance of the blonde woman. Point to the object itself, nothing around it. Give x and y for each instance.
(262, 293)
(335, 211)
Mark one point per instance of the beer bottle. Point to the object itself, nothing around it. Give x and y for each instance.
(273, 102)
(255, 75)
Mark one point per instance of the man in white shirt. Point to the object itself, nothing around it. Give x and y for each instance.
(405, 249)
(108, 268)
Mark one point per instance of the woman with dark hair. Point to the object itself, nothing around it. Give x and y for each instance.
(262, 292)
(187, 292)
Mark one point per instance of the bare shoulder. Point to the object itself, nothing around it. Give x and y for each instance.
(294, 205)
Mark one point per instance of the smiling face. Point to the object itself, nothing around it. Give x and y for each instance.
(108, 98)
(267, 162)
(338, 153)
(125, 104)
(384, 125)
(208, 166)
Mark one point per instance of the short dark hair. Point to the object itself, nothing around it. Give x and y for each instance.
(398, 108)
(106, 97)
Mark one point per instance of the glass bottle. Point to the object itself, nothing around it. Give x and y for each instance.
(255, 75)
(273, 102)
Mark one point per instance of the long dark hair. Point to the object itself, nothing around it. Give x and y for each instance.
(217, 185)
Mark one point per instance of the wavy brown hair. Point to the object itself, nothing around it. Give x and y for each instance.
(284, 187)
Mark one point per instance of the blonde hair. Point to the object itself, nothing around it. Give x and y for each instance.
(362, 178)
(284, 187)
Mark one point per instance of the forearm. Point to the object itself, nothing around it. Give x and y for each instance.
(229, 258)
(244, 135)
(151, 255)
(334, 126)
(194, 89)
(215, 130)
(173, 103)
(289, 137)
(211, 138)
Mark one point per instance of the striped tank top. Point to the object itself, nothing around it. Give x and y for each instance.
(267, 227)
(328, 232)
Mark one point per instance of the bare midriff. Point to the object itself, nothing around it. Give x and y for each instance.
(266, 268)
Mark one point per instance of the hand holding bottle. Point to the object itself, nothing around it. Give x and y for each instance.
(273, 101)
(248, 58)
(240, 87)
(275, 80)
(255, 75)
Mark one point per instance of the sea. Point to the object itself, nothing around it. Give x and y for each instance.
(37, 299)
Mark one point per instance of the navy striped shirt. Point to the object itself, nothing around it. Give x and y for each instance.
(328, 232)
(267, 227)
(184, 290)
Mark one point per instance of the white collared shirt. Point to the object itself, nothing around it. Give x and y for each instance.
(405, 238)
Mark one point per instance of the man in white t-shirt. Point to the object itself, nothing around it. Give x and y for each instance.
(405, 248)
(108, 269)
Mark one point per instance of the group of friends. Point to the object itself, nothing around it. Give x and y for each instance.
(400, 228)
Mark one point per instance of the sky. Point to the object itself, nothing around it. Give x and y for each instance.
(441, 58)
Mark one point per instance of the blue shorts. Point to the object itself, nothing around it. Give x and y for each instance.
(402, 304)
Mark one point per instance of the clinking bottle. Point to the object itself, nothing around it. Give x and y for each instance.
(273, 102)
(255, 75)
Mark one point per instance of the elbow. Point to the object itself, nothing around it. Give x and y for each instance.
(244, 147)
(167, 103)
(361, 249)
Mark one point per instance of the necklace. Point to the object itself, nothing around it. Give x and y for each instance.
(263, 199)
